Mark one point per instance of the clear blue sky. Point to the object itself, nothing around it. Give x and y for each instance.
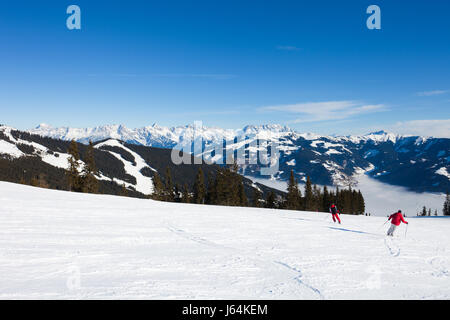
(312, 65)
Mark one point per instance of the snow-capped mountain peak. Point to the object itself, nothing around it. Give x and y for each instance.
(43, 126)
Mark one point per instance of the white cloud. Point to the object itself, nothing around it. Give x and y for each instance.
(327, 110)
(215, 76)
(432, 128)
(431, 93)
(288, 48)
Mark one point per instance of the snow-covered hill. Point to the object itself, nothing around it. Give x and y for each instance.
(56, 244)
(417, 163)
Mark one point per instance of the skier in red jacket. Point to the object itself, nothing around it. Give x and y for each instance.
(335, 213)
(396, 218)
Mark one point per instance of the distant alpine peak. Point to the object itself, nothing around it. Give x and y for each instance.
(380, 132)
(44, 126)
(272, 127)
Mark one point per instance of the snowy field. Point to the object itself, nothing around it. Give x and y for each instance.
(61, 245)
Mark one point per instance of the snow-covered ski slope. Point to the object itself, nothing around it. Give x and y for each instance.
(61, 245)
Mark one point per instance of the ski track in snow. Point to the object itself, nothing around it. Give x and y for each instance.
(191, 237)
(299, 277)
(245, 255)
(439, 264)
(394, 249)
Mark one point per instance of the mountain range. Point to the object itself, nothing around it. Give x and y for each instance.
(418, 163)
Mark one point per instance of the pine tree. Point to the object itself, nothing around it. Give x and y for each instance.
(293, 195)
(22, 180)
(123, 191)
(309, 201)
(354, 202)
(211, 197)
(42, 181)
(361, 203)
(158, 188)
(347, 200)
(219, 187)
(169, 194)
(257, 198)
(335, 198)
(326, 199)
(270, 200)
(185, 198)
(90, 183)
(243, 202)
(34, 181)
(199, 187)
(73, 175)
(424, 211)
(446, 209)
(235, 186)
(317, 198)
(227, 187)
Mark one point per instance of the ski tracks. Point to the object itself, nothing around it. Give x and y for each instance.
(248, 254)
(393, 248)
(192, 237)
(439, 264)
(299, 277)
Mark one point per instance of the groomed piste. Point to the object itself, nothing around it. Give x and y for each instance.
(63, 245)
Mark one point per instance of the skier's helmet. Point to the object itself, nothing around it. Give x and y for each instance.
(399, 211)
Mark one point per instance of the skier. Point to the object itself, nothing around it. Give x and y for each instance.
(396, 218)
(335, 213)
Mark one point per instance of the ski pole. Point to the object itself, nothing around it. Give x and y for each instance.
(383, 224)
(406, 230)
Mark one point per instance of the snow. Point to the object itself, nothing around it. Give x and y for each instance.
(143, 184)
(60, 161)
(56, 159)
(443, 171)
(291, 162)
(62, 245)
(333, 151)
(10, 149)
(371, 153)
(377, 137)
